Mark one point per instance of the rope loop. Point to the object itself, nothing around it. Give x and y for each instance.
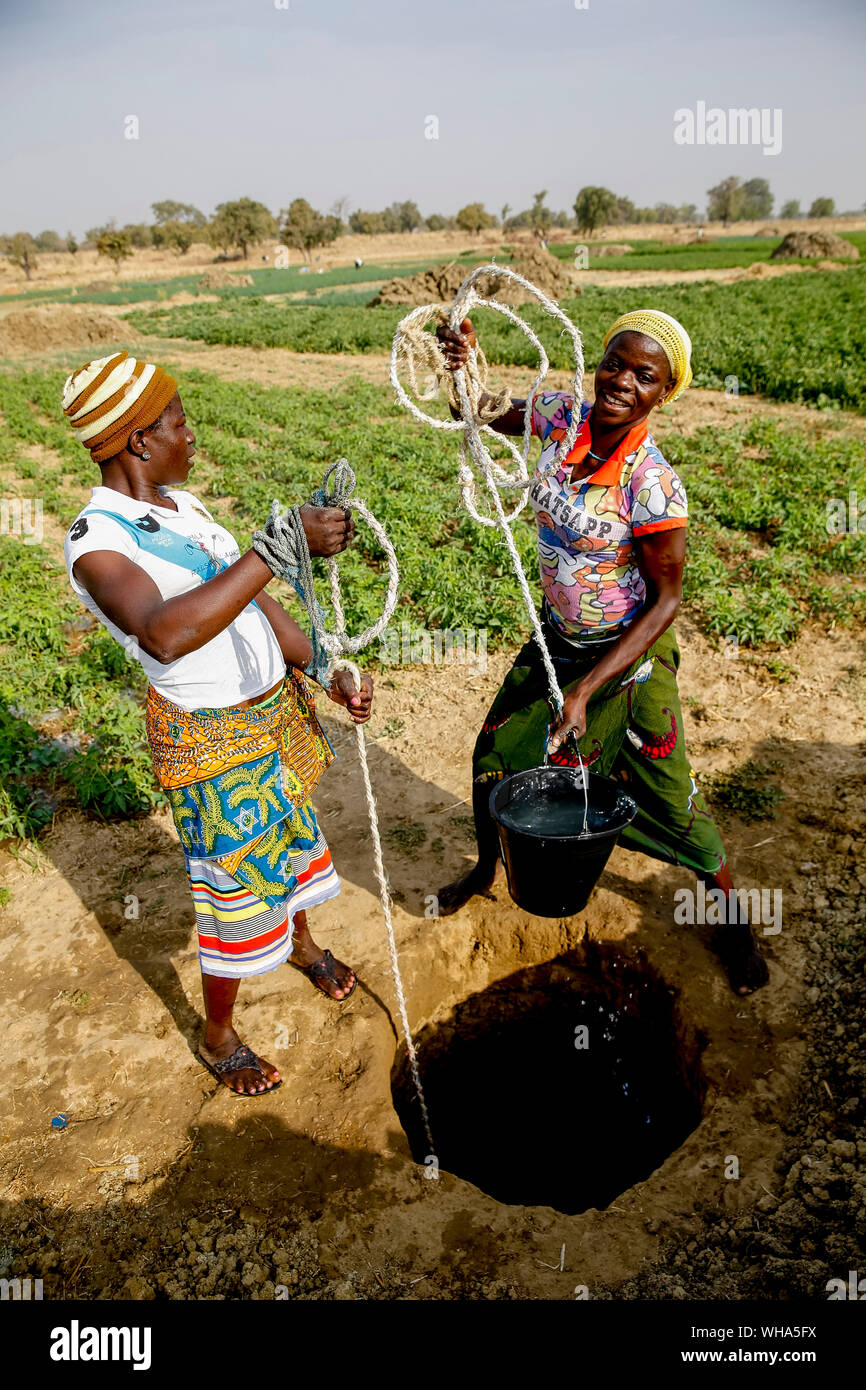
(412, 347)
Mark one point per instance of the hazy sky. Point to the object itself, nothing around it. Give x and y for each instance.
(329, 98)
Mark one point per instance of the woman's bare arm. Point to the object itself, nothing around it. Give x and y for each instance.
(169, 628)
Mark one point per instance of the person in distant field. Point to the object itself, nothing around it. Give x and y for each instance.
(230, 717)
(611, 520)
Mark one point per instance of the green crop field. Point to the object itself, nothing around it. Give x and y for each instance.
(760, 558)
(799, 337)
(267, 280)
(717, 253)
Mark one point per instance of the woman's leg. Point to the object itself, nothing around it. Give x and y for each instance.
(221, 1040)
(306, 952)
(674, 823)
(512, 738)
(734, 943)
(480, 877)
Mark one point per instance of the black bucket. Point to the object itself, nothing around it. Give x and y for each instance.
(551, 866)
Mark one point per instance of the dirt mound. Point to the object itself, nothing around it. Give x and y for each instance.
(816, 246)
(439, 284)
(100, 286)
(616, 248)
(219, 279)
(58, 326)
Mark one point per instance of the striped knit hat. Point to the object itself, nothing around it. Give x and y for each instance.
(105, 400)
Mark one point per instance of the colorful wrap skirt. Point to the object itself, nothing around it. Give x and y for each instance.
(634, 733)
(239, 783)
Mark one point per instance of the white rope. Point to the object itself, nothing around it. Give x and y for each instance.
(339, 644)
(465, 387)
(385, 900)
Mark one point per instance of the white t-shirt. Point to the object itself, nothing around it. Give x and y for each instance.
(242, 661)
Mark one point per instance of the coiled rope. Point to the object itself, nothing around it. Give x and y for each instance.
(414, 349)
(283, 546)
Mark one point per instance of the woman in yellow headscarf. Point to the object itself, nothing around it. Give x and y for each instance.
(611, 519)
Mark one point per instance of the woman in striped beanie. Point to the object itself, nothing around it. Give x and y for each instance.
(230, 719)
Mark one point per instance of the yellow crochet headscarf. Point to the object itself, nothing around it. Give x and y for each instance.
(669, 334)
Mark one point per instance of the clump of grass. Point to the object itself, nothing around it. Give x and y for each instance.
(745, 791)
(407, 838)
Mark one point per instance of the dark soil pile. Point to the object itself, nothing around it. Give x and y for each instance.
(219, 279)
(440, 284)
(58, 326)
(816, 246)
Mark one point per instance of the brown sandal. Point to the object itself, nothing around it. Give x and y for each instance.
(242, 1059)
(324, 969)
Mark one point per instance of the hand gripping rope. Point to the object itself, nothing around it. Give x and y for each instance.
(415, 349)
(283, 546)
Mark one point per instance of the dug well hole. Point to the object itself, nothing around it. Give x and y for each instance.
(561, 1085)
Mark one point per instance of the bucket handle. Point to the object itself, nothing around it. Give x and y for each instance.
(584, 772)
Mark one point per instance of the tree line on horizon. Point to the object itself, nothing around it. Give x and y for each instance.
(244, 222)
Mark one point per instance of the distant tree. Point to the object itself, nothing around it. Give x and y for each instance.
(560, 219)
(71, 244)
(822, 207)
(726, 201)
(171, 211)
(115, 246)
(473, 218)
(790, 209)
(177, 236)
(539, 216)
(48, 241)
(366, 223)
(757, 199)
(20, 249)
(402, 217)
(625, 210)
(503, 215)
(437, 223)
(666, 212)
(340, 210)
(594, 207)
(241, 223)
(140, 235)
(687, 212)
(303, 227)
